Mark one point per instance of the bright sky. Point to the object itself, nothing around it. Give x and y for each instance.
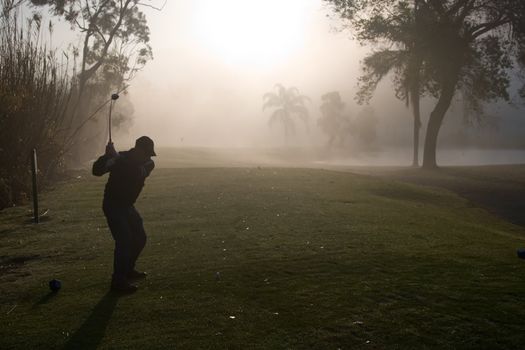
(215, 59)
(260, 33)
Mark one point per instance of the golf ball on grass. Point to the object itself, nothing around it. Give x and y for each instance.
(55, 285)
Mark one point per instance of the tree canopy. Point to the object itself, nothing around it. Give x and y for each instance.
(333, 121)
(467, 45)
(115, 36)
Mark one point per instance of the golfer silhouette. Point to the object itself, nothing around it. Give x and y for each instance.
(127, 173)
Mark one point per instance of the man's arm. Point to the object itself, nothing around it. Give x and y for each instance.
(104, 163)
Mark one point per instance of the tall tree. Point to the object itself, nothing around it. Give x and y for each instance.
(113, 47)
(467, 45)
(114, 34)
(403, 57)
(288, 105)
(114, 42)
(333, 120)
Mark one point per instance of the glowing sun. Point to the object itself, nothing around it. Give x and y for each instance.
(250, 32)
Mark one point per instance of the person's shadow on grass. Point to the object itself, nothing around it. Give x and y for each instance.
(90, 334)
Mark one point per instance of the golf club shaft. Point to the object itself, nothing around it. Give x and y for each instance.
(110, 110)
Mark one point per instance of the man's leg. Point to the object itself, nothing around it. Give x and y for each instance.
(117, 218)
(138, 237)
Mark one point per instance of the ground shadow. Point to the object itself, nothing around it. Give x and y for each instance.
(92, 331)
(500, 189)
(45, 299)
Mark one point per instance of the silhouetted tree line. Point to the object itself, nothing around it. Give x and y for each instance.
(55, 101)
(338, 124)
(439, 48)
(289, 106)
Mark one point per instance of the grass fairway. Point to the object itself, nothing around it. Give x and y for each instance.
(249, 258)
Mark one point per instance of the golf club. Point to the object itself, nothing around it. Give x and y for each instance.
(114, 97)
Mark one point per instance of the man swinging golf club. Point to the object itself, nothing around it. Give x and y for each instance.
(127, 173)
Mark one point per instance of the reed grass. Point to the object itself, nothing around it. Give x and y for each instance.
(35, 92)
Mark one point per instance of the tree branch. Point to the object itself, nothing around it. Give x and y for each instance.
(87, 73)
(481, 29)
(154, 7)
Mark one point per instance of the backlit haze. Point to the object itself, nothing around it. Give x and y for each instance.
(214, 60)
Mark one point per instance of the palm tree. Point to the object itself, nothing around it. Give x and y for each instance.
(332, 121)
(407, 67)
(288, 104)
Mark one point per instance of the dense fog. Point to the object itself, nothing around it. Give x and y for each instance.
(214, 62)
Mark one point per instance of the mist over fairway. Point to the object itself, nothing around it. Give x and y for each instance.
(203, 90)
(311, 157)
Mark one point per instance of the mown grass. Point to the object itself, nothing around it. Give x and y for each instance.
(301, 258)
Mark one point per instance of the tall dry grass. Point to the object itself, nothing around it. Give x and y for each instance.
(35, 94)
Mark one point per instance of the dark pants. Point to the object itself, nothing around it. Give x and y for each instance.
(128, 232)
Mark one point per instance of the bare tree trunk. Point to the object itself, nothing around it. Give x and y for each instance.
(436, 119)
(415, 66)
(416, 110)
(417, 127)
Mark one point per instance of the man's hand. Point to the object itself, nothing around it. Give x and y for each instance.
(110, 150)
(147, 168)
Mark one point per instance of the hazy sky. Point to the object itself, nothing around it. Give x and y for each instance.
(215, 59)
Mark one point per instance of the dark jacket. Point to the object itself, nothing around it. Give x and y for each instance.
(127, 173)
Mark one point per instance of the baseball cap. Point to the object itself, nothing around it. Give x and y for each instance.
(146, 144)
